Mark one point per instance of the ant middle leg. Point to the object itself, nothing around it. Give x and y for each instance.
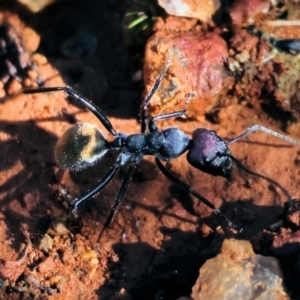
(270, 180)
(186, 187)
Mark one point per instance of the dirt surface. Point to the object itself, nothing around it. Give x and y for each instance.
(161, 235)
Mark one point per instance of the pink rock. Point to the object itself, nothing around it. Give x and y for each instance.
(244, 11)
(200, 9)
(196, 74)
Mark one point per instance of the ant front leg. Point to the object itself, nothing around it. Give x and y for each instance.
(187, 188)
(76, 96)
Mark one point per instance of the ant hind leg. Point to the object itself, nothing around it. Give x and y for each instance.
(186, 187)
(77, 97)
(118, 201)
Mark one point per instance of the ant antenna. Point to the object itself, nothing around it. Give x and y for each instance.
(144, 113)
(252, 129)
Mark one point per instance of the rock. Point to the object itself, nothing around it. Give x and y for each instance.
(46, 243)
(201, 9)
(31, 39)
(11, 270)
(47, 265)
(238, 273)
(58, 227)
(36, 5)
(244, 11)
(196, 78)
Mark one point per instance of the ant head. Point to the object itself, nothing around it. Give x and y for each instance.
(80, 146)
(209, 153)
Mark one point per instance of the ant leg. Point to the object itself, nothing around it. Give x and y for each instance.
(152, 122)
(104, 181)
(186, 187)
(118, 200)
(76, 96)
(144, 112)
(266, 130)
(247, 170)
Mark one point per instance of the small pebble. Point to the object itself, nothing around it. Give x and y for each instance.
(14, 88)
(58, 227)
(256, 276)
(36, 5)
(46, 243)
(31, 39)
(89, 255)
(47, 265)
(39, 59)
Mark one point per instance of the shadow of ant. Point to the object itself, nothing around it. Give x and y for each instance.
(28, 166)
(29, 196)
(104, 73)
(170, 271)
(29, 187)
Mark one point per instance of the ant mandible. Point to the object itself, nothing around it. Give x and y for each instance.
(83, 144)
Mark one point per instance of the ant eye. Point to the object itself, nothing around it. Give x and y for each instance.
(209, 153)
(80, 146)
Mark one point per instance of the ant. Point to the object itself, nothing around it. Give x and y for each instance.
(83, 144)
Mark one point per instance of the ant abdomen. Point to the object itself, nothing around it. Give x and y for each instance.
(210, 154)
(80, 146)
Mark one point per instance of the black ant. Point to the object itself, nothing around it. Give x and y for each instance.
(83, 144)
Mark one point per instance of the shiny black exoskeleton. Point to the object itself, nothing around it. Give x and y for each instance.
(291, 46)
(209, 153)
